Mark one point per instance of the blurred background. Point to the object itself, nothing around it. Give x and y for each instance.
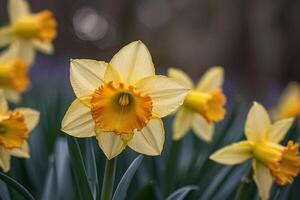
(257, 42)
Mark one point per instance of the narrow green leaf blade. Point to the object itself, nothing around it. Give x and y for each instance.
(17, 186)
(182, 192)
(79, 169)
(123, 185)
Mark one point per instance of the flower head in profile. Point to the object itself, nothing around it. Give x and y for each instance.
(15, 127)
(270, 160)
(14, 78)
(289, 102)
(121, 102)
(28, 31)
(202, 107)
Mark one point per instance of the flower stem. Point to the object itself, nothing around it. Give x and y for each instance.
(244, 188)
(108, 179)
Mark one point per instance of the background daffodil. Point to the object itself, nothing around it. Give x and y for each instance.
(289, 102)
(121, 102)
(15, 127)
(271, 160)
(28, 31)
(202, 107)
(14, 78)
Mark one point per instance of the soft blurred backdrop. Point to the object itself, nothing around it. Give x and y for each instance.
(257, 42)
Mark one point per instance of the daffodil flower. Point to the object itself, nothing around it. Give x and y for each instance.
(28, 31)
(121, 102)
(15, 127)
(289, 102)
(202, 107)
(270, 160)
(13, 75)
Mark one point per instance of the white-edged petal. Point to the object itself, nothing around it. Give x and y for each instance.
(22, 152)
(3, 103)
(78, 121)
(262, 178)
(6, 36)
(202, 128)
(17, 9)
(150, 140)
(133, 62)
(110, 143)
(4, 159)
(167, 94)
(258, 123)
(31, 117)
(182, 123)
(86, 75)
(279, 129)
(233, 154)
(44, 47)
(211, 80)
(180, 76)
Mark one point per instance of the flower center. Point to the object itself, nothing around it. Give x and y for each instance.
(13, 75)
(288, 166)
(13, 130)
(40, 26)
(120, 108)
(209, 105)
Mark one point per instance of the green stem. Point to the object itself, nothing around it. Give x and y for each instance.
(244, 188)
(108, 179)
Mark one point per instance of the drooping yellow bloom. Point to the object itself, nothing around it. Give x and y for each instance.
(15, 127)
(289, 102)
(121, 102)
(28, 31)
(270, 160)
(202, 107)
(13, 75)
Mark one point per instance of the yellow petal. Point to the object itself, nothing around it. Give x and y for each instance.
(3, 103)
(12, 96)
(180, 76)
(44, 47)
(167, 94)
(257, 123)
(111, 74)
(4, 159)
(86, 76)
(22, 152)
(211, 80)
(6, 36)
(202, 128)
(262, 178)
(233, 154)
(150, 140)
(26, 51)
(133, 62)
(31, 117)
(17, 9)
(279, 129)
(182, 123)
(78, 121)
(110, 143)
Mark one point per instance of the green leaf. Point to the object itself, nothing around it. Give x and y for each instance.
(79, 169)
(182, 192)
(123, 185)
(17, 186)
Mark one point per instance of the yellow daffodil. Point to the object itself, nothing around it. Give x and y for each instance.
(289, 102)
(15, 127)
(28, 31)
(270, 160)
(13, 75)
(202, 107)
(121, 102)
